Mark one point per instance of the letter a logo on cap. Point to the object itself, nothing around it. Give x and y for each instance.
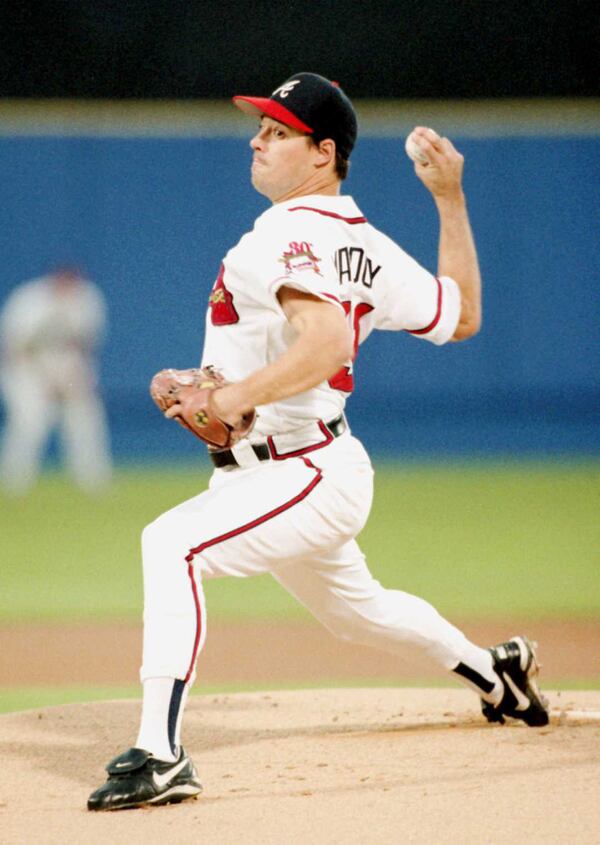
(286, 88)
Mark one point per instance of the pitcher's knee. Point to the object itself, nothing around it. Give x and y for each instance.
(162, 541)
(350, 627)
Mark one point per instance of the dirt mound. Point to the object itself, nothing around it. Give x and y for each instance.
(323, 766)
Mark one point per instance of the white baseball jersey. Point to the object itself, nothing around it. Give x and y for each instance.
(322, 245)
(295, 513)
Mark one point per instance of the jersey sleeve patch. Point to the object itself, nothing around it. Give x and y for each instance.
(300, 257)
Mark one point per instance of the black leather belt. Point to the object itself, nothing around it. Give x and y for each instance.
(225, 457)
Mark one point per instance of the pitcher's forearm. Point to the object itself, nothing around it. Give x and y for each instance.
(312, 359)
(457, 258)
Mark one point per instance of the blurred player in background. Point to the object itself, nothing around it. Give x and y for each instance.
(50, 328)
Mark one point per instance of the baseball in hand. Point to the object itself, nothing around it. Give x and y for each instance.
(414, 151)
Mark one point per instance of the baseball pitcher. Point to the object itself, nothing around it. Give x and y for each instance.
(292, 487)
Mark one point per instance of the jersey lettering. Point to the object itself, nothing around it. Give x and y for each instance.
(222, 309)
(344, 379)
(353, 265)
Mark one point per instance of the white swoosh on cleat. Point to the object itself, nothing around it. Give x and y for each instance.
(163, 780)
(523, 703)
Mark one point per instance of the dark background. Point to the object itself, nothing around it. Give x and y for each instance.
(190, 49)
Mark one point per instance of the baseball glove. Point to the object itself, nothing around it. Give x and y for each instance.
(191, 391)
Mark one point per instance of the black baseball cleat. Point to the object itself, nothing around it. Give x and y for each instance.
(136, 778)
(515, 662)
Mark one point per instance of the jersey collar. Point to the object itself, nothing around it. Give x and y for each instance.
(340, 204)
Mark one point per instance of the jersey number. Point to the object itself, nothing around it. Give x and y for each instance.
(344, 378)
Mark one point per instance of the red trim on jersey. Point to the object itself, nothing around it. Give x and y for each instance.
(361, 310)
(264, 105)
(198, 619)
(344, 378)
(352, 220)
(438, 314)
(235, 532)
(282, 456)
(330, 296)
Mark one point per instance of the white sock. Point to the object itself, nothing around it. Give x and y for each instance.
(162, 712)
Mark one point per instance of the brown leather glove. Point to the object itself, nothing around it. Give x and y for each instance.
(187, 396)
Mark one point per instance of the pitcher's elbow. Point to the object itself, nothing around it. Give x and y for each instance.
(467, 329)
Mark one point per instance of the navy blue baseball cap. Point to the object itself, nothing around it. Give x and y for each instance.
(312, 104)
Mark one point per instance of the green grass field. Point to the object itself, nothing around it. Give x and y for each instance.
(474, 539)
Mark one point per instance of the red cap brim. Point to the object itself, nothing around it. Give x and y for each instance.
(264, 105)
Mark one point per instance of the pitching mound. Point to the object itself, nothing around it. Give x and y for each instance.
(324, 766)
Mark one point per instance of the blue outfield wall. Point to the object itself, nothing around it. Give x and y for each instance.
(150, 218)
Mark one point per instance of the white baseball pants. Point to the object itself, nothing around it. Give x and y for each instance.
(297, 519)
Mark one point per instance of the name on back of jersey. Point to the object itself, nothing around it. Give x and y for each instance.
(354, 265)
